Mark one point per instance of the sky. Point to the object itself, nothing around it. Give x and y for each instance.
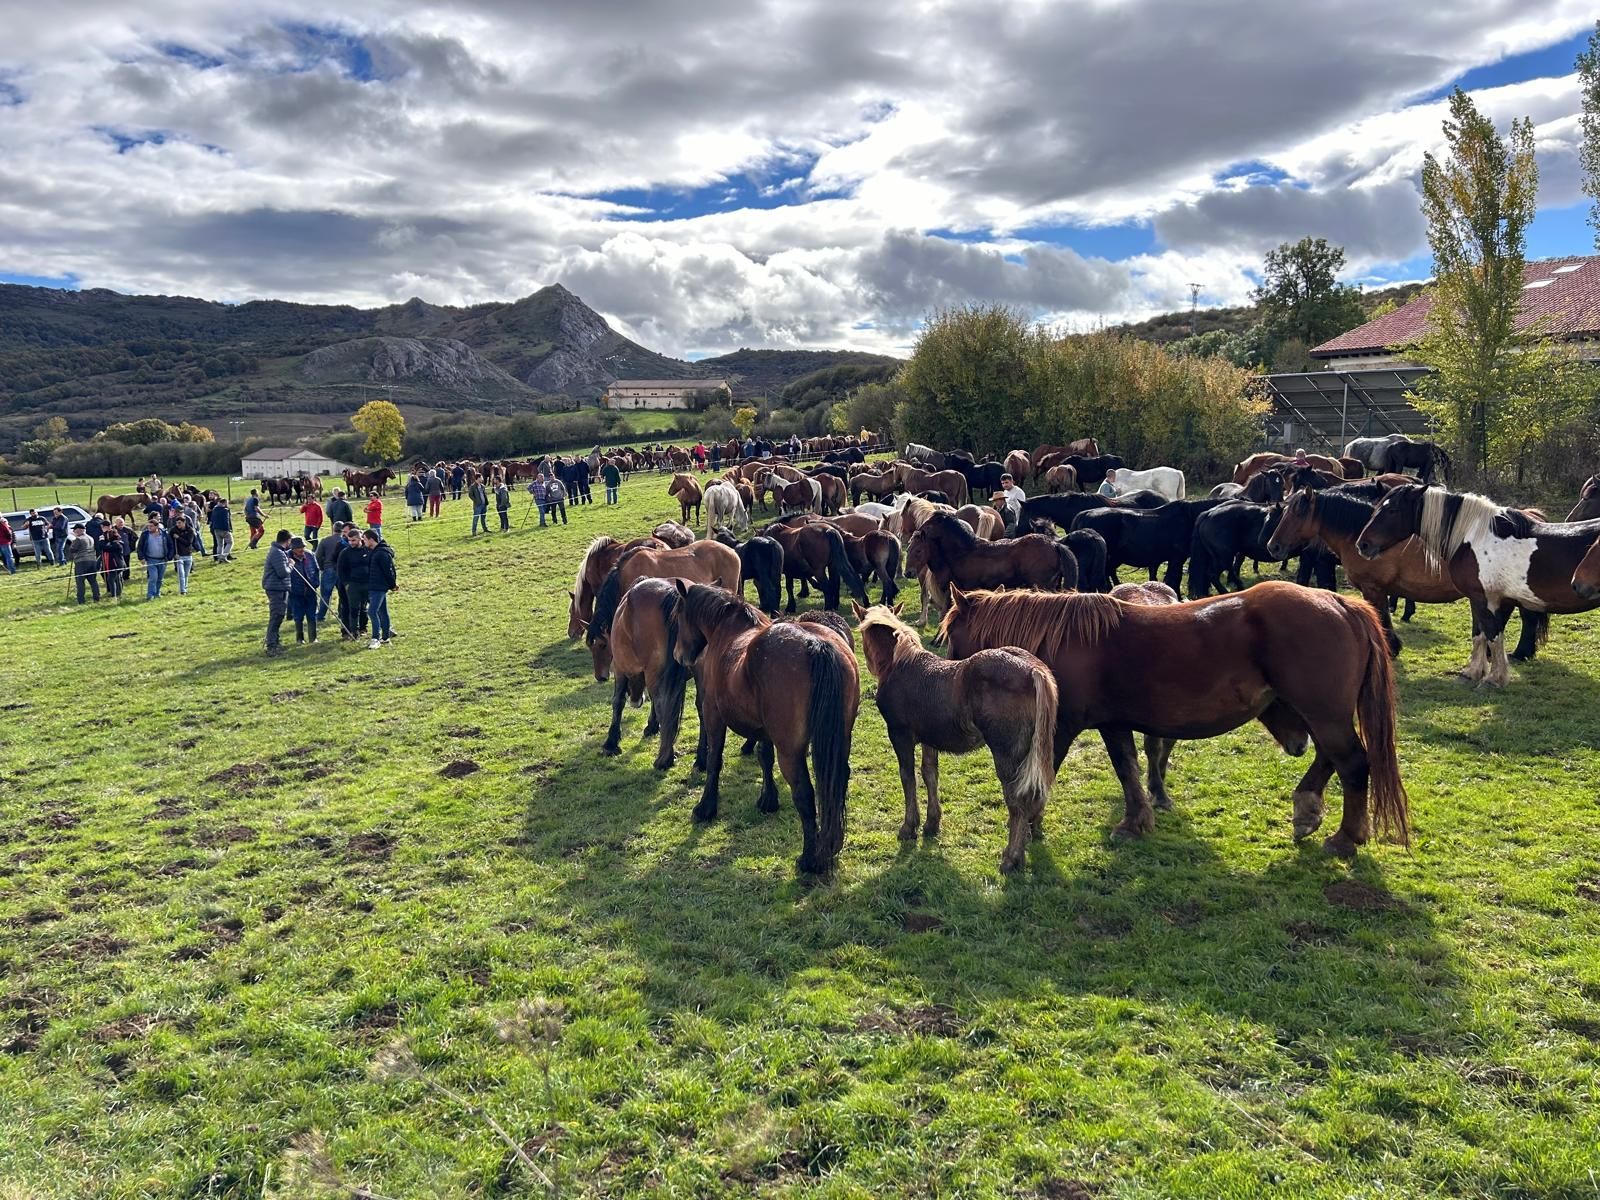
(711, 174)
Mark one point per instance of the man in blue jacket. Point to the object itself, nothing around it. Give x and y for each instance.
(58, 537)
(304, 578)
(221, 522)
(155, 549)
(275, 583)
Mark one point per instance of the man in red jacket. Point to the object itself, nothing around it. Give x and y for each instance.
(311, 511)
(375, 515)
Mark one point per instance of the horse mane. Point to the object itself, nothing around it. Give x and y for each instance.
(600, 543)
(953, 527)
(610, 596)
(709, 606)
(907, 643)
(1040, 622)
(1451, 519)
(1340, 514)
(1517, 522)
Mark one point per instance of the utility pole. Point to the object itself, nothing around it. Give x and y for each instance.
(1194, 309)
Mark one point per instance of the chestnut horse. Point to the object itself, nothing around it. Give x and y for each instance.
(642, 661)
(593, 568)
(814, 552)
(952, 553)
(791, 685)
(951, 483)
(1309, 663)
(1003, 699)
(1586, 578)
(687, 489)
(1019, 466)
(1500, 558)
(702, 562)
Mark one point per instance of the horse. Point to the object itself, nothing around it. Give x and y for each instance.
(1308, 664)
(831, 493)
(803, 495)
(814, 552)
(1169, 481)
(1004, 699)
(875, 555)
(915, 452)
(952, 483)
(1061, 510)
(760, 563)
(790, 684)
(982, 477)
(126, 505)
(1247, 469)
(1587, 508)
(359, 482)
(1371, 451)
(702, 562)
(1060, 478)
(673, 534)
(278, 490)
(883, 483)
(1091, 469)
(1223, 538)
(1147, 538)
(1089, 551)
(687, 489)
(1422, 457)
(1498, 557)
(723, 506)
(642, 660)
(951, 553)
(858, 523)
(593, 568)
(1353, 468)
(1586, 576)
(1019, 466)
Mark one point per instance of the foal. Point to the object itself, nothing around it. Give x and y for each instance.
(1005, 699)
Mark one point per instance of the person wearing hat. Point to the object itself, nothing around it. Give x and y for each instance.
(275, 574)
(304, 594)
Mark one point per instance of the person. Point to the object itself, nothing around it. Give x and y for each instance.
(579, 490)
(327, 568)
(339, 509)
(96, 525)
(414, 496)
(716, 457)
(275, 574)
(539, 489)
(113, 553)
(183, 550)
(221, 522)
(129, 542)
(1108, 485)
(613, 478)
(197, 525)
(555, 501)
(1300, 459)
(749, 447)
(375, 515)
(311, 513)
(38, 537)
(352, 570)
(381, 580)
(155, 551)
(85, 568)
(700, 456)
(1014, 497)
(252, 517)
(8, 541)
(502, 505)
(794, 445)
(304, 590)
(479, 495)
(458, 480)
(435, 489)
(58, 536)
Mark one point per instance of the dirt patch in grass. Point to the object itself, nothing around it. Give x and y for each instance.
(188, 743)
(93, 947)
(315, 771)
(920, 922)
(285, 697)
(124, 1028)
(117, 637)
(38, 916)
(22, 1020)
(168, 810)
(245, 777)
(178, 866)
(459, 769)
(224, 835)
(321, 843)
(224, 929)
(463, 731)
(62, 818)
(374, 843)
(1309, 933)
(925, 1020)
(1069, 1189)
(272, 913)
(1361, 897)
(407, 681)
(1588, 889)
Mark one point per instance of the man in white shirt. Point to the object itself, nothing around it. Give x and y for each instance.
(1014, 500)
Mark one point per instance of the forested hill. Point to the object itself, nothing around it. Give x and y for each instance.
(1170, 327)
(97, 356)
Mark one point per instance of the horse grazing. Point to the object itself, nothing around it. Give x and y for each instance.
(814, 552)
(1309, 664)
(883, 483)
(702, 562)
(1499, 557)
(687, 489)
(723, 506)
(1060, 478)
(641, 641)
(593, 567)
(1587, 508)
(760, 563)
(1019, 466)
(673, 534)
(792, 685)
(1147, 537)
(1004, 699)
(951, 553)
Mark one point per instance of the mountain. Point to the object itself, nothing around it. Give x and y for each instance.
(286, 369)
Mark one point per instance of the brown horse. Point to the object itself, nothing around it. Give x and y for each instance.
(702, 562)
(875, 555)
(125, 505)
(1004, 699)
(802, 495)
(791, 685)
(952, 553)
(858, 523)
(814, 552)
(642, 661)
(593, 568)
(1354, 468)
(880, 484)
(674, 535)
(952, 483)
(1202, 668)
(1060, 478)
(1019, 466)
(833, 493)
(359, 482)
(1586, 578)
(687, 489)
(1587, 508)
(1249, 468)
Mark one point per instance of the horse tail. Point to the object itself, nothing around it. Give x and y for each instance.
(1037, 774)
(840, 569)
(1539, 623)
(891, 560)
(674, 676)
(1067, 565)
(1199, 568)
(1375, 710)
(830, 741)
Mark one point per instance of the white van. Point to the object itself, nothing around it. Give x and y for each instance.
(19, 526)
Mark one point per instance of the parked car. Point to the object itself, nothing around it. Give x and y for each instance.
(19, 525)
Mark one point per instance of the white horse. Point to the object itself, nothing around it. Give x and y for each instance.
(916, 452)
(724, 507)
(1168, 481)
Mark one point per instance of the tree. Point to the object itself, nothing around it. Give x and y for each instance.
(1301, 296)
(385, 428)
(1589, 150)
(1488, 378)
(745, 420)
(52, 430)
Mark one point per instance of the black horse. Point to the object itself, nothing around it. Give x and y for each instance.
(1147, 537)
(1422, 457)
(1060, 510)
(983, 478)
(1089, 548)
(851, 454)
(1092, 471)
(761, 563)
(1223, 538)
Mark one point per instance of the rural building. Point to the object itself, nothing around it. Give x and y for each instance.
(1362, 391)
(662, 393)
(296, 460)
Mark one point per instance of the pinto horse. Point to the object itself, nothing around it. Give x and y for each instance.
(1309, 664)
(687, 489)
(593, 568)
(791, 685)
(1500, 558)
(1004, 699)
(641, 643)
(951, 553)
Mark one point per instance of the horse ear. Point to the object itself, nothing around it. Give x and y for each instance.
(571, 596)
(898, 608)
(682, 590)
(859, 611)
(956, 596)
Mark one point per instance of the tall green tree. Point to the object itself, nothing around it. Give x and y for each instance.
(1301, 296)
(1490, 380)
(1589, 151)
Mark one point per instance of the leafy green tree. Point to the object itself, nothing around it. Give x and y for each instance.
(1489, 379)
(875, 407)
(967, 384)
(1301, 297)
(1589, 149)
(384, 427)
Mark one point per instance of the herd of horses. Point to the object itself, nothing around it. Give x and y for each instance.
(1043, 643)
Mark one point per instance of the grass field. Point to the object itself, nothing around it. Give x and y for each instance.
(265, 927)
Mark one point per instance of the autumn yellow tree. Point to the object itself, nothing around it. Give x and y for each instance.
(745, 420)
(385, 429)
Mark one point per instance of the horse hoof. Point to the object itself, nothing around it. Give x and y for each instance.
(767, 802)
(700, 763)
(1340, 845)
(1008, 865)
(1163, 803)
(908, 833)
(705, 812)
(610, 751)
(931, 829)
(1137, 828)
(665, 764)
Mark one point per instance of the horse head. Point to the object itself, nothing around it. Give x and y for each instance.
(1397, 516)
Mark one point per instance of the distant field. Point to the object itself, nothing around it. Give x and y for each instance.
(236, 893)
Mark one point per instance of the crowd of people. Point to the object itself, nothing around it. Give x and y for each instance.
(350, 573)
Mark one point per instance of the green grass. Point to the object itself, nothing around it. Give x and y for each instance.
(230, 883)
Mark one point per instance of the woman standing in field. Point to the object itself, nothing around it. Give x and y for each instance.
(184, 545)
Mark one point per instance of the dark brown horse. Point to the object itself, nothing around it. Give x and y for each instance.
(687, 489)
(360, 482)
(1202, 668)
(875, 555)
(814, 553)
(641, 644)
(1500, 558)
(879, 484)
(952, 483)
(1004, 699)
(596, 564)
(952, 553)
(792, 686)
(703, 562)
(1587, 508)
(1586, 578)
